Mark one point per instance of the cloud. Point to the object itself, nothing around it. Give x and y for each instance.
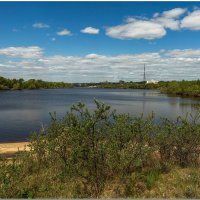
(15, 30)
(94, 56)
(22, 52)
(149, 29)
(90, 30)
(40, 25)
(168, 23)
(137, 29)
(169, 19)
(64, 32)
(191, 21)
(185, 53)
(174, 13)
(172, 64)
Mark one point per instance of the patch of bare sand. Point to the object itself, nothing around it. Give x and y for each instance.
(10, 149)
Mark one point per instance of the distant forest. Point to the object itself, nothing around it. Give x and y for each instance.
(181, 88)
(19, 84)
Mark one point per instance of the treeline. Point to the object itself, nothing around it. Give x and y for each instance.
(128, 85)
(182, 88)
(19, 84)
(104, 154)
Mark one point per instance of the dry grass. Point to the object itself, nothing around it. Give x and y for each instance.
(179, 183)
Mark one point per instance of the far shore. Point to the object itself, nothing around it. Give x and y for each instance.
(10, 149)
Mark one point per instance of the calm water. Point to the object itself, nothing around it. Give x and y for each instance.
(25, 111)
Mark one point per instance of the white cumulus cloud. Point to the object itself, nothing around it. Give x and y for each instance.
(137, 29)
(168, 23)
(174, 13)
(90, 30)
(94, 56)
(148, 28)
(191, 21)
(64, 32)
(170, 19)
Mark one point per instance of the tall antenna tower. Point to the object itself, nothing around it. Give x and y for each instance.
(144, 78)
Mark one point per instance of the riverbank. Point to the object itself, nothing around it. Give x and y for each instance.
(8, 150)
(179, 88)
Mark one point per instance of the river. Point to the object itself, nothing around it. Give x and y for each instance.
(25, 111)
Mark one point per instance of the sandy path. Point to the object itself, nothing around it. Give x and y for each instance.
(12, 148)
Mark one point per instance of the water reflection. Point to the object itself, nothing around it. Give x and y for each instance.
(144, 102)
(24, 111)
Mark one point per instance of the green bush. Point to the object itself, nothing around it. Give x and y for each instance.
(79, 155)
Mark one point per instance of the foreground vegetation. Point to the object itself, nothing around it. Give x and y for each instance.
(19, 84)
(105, 154)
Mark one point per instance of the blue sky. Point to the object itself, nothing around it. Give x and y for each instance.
(99, 41)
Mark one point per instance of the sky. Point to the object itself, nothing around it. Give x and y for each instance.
(100, 41)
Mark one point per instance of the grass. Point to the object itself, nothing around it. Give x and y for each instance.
(178, 183)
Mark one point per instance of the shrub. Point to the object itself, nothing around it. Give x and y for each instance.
(86, 152)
